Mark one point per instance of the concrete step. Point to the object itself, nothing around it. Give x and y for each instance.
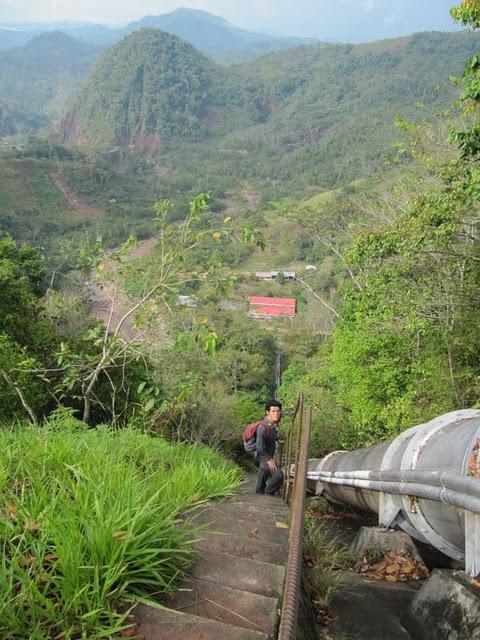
(246, 509)
(251, 496)
(263, 506)
(240, 573)
(244, 547)
(243, 513)
(247, 525)
(166, 624)
(232, 606)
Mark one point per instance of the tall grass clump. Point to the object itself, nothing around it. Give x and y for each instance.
(89, 520)
(326, 560)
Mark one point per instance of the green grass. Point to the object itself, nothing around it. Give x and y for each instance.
(89, 520)
(14, 185)
(328, 558)
(46, 192)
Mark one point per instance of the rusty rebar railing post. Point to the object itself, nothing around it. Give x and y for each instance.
(288, 455)
(288, 622)
(289, 444)
(288, 447)
(299, 434)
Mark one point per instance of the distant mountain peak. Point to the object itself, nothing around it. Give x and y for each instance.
(214, 35)
(52, 36)
(197, 13)
(55, 41)
(185, 17)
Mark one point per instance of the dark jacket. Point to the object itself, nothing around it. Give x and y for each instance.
(267, 436)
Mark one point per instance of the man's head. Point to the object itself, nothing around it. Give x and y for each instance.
(274, 410)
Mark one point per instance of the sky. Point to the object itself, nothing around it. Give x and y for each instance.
(315, 18)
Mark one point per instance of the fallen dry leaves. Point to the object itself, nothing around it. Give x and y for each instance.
(340, 515)
(323, 615)
(394, 567)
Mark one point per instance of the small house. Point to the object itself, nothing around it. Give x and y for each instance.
(266, 275)
(261, 307)
(273, 274)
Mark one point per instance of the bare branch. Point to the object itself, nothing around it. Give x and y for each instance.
(332, 247)
(316, 295)
(13, 385)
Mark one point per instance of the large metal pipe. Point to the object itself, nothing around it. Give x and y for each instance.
(427, 481)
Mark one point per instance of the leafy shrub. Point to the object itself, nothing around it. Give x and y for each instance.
(89, 520)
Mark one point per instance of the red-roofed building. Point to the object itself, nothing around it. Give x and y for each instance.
(272, 307)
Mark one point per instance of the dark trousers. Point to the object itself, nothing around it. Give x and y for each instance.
(269, 481)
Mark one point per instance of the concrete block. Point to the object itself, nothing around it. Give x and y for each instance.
(261, 507)
(370, 609)
(447, 607)
(370, 539)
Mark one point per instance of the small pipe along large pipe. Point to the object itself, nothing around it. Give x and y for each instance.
(426, 481)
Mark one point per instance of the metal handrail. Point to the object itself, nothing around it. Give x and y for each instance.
(291, 594)
(448, 487)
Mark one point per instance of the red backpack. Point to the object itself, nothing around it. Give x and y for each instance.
(250, 435)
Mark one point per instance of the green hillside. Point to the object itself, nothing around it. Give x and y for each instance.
(332, 107)
(328, 114)
(150, 87)
(292, 124)
(49, 197)
(15, 120)
(299, 120)
(42, 76)
(32, 208)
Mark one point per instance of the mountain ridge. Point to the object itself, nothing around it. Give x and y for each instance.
(211, 34)
(354, 21)
(305, 104)
(154, 85)
(42, 75)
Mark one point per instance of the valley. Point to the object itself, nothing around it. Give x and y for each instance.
(157, 178)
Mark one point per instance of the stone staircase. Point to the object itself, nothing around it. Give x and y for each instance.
(234, 589)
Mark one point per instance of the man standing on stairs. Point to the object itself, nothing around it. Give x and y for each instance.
(270, 477)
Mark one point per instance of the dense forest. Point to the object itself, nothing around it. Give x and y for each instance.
(168, 178)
